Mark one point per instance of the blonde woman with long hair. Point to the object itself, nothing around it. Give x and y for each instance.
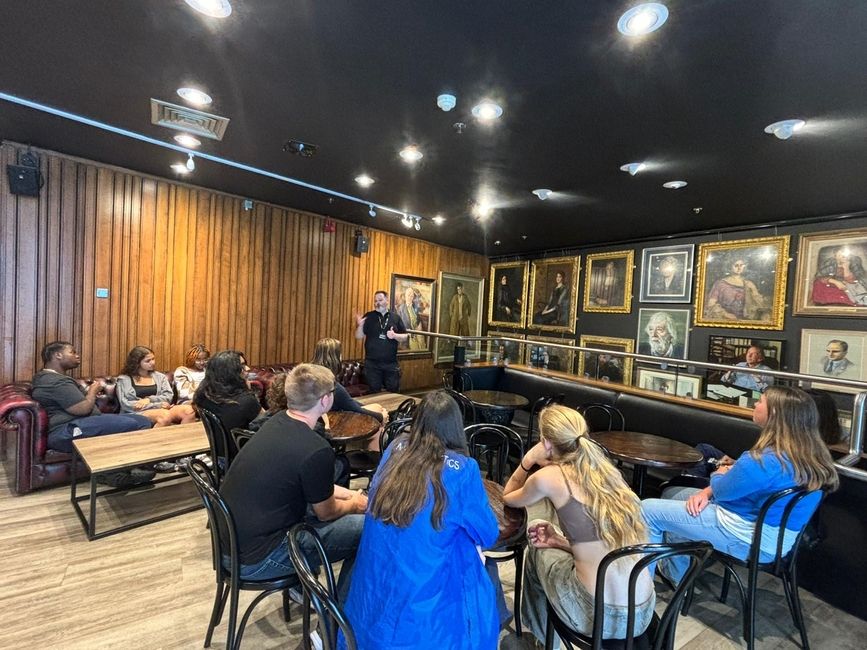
(578, 491)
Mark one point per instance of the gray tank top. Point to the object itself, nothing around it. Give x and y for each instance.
(574, 520)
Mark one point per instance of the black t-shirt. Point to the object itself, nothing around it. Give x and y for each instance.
(377, 347)
(285, 466)
(56, 393)
(236, 414)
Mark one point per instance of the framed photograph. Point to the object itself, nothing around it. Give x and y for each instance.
(739, 352)
(553, 294)
(507, 293)
(839, 354)
(666, 274)
(663, 332)
(742, 283)
(669, 383)
(539, 355)
(608, 287)
(831, 280)
(459, 301)
(605, 367)
(502, 351)
(412, 299)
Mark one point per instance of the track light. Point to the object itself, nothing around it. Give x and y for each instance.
(418, 223)
(372, 211)
(191, 164)
(406, 220)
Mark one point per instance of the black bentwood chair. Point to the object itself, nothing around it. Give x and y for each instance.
(660, 633)
(405, 410)
(363, 463)
(224, 544)
(538, 405)
(468, 409)
(602, 417)
(323, 598)
(783, 566)
(223, 448)
(241, 437)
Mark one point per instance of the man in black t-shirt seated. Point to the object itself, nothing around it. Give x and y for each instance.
(381, 330)
(282, 470)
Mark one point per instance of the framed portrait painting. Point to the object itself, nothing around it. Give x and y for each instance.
(606, 367)
(608, 287)
(831, 280)
(669, 383)
(507, 294)
(839, 354)
(459, 312)
(742, 283)
(540, 355)
(553, 291)
(742, 351)
(666, 274)
(500, 350)
(412, 299)
(663, 332)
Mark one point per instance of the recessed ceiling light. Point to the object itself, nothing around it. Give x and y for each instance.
(785, 128)
(213, 8)
(439, 220)
(497, 242)
(364, 180)
(180, 168)
(482, 210)
(487, 110)
(447, 102)
(643, 19)
(542, 194)
(411, 153)
(674, 185)
(195, 96)
(188, 141)
(632, 168)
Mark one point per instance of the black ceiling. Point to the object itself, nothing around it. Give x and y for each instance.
(360, 80)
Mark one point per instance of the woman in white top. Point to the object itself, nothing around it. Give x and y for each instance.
(189, 376)
(143, 390)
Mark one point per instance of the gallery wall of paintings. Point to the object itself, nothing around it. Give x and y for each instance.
(723, 297)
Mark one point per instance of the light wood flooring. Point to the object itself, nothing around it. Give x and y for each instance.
(152, 587)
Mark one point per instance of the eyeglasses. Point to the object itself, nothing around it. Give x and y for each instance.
(331, 392)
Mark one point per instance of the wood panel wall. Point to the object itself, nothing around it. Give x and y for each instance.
(185, 265)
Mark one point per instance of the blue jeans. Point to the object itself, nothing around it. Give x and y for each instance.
(668, 521)
(96, 425)
(339, 539)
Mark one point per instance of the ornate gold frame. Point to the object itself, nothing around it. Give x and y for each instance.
(807, 271)
(778, 299)
(492, 288)
(531, 338)
(591, 341)
(626, 307)
(575, 270)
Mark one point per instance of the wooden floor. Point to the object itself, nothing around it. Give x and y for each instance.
(152, 587)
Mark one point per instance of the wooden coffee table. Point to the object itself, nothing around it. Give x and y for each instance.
(389, 401)
(348, 426)
(511, 521)
(122, 451)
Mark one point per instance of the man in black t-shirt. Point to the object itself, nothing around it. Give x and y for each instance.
(382, 331)
(284, 469)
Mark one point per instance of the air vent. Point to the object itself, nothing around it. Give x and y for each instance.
(189, 120)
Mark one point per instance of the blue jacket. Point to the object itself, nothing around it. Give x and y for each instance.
(418, 587)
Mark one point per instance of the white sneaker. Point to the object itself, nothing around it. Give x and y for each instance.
(316, 640)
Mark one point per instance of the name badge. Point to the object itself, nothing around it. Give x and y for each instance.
(383, 336)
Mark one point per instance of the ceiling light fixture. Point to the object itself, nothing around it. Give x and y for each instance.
(406, 221)
(447, 102)
(372, 211)
(482, 210)
(643, 19)
(191, 164)
(364, 180)
(633, 168)
(542, 194)
(212, 8)
(417, 223)
(439, 220)
(497, 242)
(487, 110)
(180, 168)
(188, 141)
(674, 185)
(195, 96)
(784, 129)
(411, 154)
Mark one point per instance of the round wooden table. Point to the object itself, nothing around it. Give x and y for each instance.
(645, 450)
(348, 426)
(496, 406)
(512, 521)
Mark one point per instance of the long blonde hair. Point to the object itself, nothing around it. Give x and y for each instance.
(611, 504)
(792, 432)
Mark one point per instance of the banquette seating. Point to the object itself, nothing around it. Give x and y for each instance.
(37, 466)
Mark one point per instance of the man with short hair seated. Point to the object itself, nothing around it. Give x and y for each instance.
(285, 475)
(72, 411)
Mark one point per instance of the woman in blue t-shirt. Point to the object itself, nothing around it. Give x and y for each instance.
(789, 452)
(419, 581)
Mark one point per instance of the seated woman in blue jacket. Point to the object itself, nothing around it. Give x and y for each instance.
(419, 581)
(789, 452)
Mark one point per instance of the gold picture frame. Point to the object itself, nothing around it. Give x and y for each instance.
(742, 283)
(589, 362)
(553, 299)
(559, 359)
(608, 283)
(830, 279)
(506, 300)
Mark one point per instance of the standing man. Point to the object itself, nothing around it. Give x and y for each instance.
(754, 359)
(459, 312)
(382, 331)
(72, 411)
(285, 469)
(835, 363)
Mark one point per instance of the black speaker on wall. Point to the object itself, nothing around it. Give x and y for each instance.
(362, 245)
(25, 181)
